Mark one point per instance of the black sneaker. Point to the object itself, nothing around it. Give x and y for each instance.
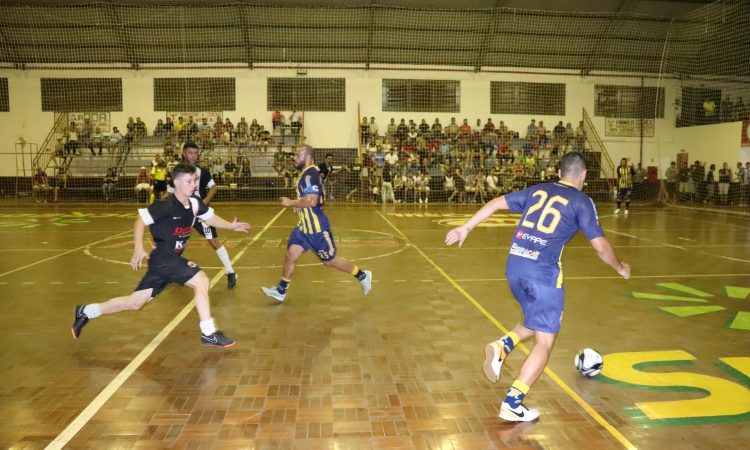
(79, 321)
(217, 339)
(231, 280)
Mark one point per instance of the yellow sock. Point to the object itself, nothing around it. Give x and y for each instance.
(521, 386)
(355, 271)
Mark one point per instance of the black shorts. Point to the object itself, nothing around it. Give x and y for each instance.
(623, 193)
(205, 230)
(160, 186)
(164, 269)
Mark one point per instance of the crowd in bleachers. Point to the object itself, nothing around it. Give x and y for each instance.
(468, 162)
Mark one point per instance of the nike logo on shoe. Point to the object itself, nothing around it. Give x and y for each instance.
(521, 414)
(211, 339)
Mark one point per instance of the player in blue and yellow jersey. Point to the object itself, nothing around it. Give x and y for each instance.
(625, 174)
(313, 232)
(552, 213)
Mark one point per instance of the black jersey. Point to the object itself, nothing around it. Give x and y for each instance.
(325, 172)
(171, 222)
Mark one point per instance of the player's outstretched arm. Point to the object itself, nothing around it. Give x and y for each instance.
(607, 254)
(139, 253)
(459, 234)
(308, 201)
(218, 222)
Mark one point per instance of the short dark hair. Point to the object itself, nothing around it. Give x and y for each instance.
(572, 164)
(181, 169)
(329, 154)
(190, 144)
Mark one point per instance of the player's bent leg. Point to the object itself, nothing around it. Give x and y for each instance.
(210, 335)
(83, 313)
(363, 276)
(535, 363)
(497, 351)
(278, 292)
(200, 284)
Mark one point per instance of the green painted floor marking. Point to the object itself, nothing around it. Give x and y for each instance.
(741, 321)
(685, 289)
(649, 296)
(737, 292)
(687, 311)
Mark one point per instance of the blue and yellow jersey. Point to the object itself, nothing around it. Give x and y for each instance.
(311, 220)
(552, 213)
(625, 177)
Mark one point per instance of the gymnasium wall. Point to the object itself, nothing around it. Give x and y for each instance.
(338, 129)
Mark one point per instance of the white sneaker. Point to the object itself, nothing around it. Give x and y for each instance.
(366, 283)
(274, 293)
(617, 211)
(520, 414)
(420, 200)
(492, 362)
(626, 212)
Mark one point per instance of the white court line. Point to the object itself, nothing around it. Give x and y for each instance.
(63, 253)
(85, 416)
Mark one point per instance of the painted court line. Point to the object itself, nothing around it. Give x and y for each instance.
(581, 402)
(83, 418)
(64, 253)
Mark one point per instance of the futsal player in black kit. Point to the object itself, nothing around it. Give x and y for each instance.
(171, 221)
(206, 189)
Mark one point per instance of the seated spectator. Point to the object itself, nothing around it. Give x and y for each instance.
(169, 127)
(277, 121)
(140, 130)
(180, 127)
(422, 187)
(228, 127)
(218, 127)
(465, 129)
(226, 139)
(295, 120)
(168, 145)
(489, 127)
(217, 170)
(142, 186)
(108, 187)
(229, 170)
(159, 130)
(424, 128)
(205, 133)
(437, 128)
(558, 134)
(96, 141)
(412, 134)
(40, 186)
(115, 138)
(244, 172)
(58, 183)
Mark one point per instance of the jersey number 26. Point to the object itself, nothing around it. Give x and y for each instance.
(548, 210)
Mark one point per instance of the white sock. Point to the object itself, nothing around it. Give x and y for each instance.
(223, 255)
(208, 327)
(92, 311)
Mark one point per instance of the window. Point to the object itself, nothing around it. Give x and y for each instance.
(527, 98)
(81, 94)
(306, 94)
(194, 94)
(421, 95)
(628, 102)
(4, 96)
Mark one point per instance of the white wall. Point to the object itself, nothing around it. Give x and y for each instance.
(715, 144)
(338, 129)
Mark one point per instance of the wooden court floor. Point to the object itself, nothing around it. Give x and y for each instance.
(400, 368)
